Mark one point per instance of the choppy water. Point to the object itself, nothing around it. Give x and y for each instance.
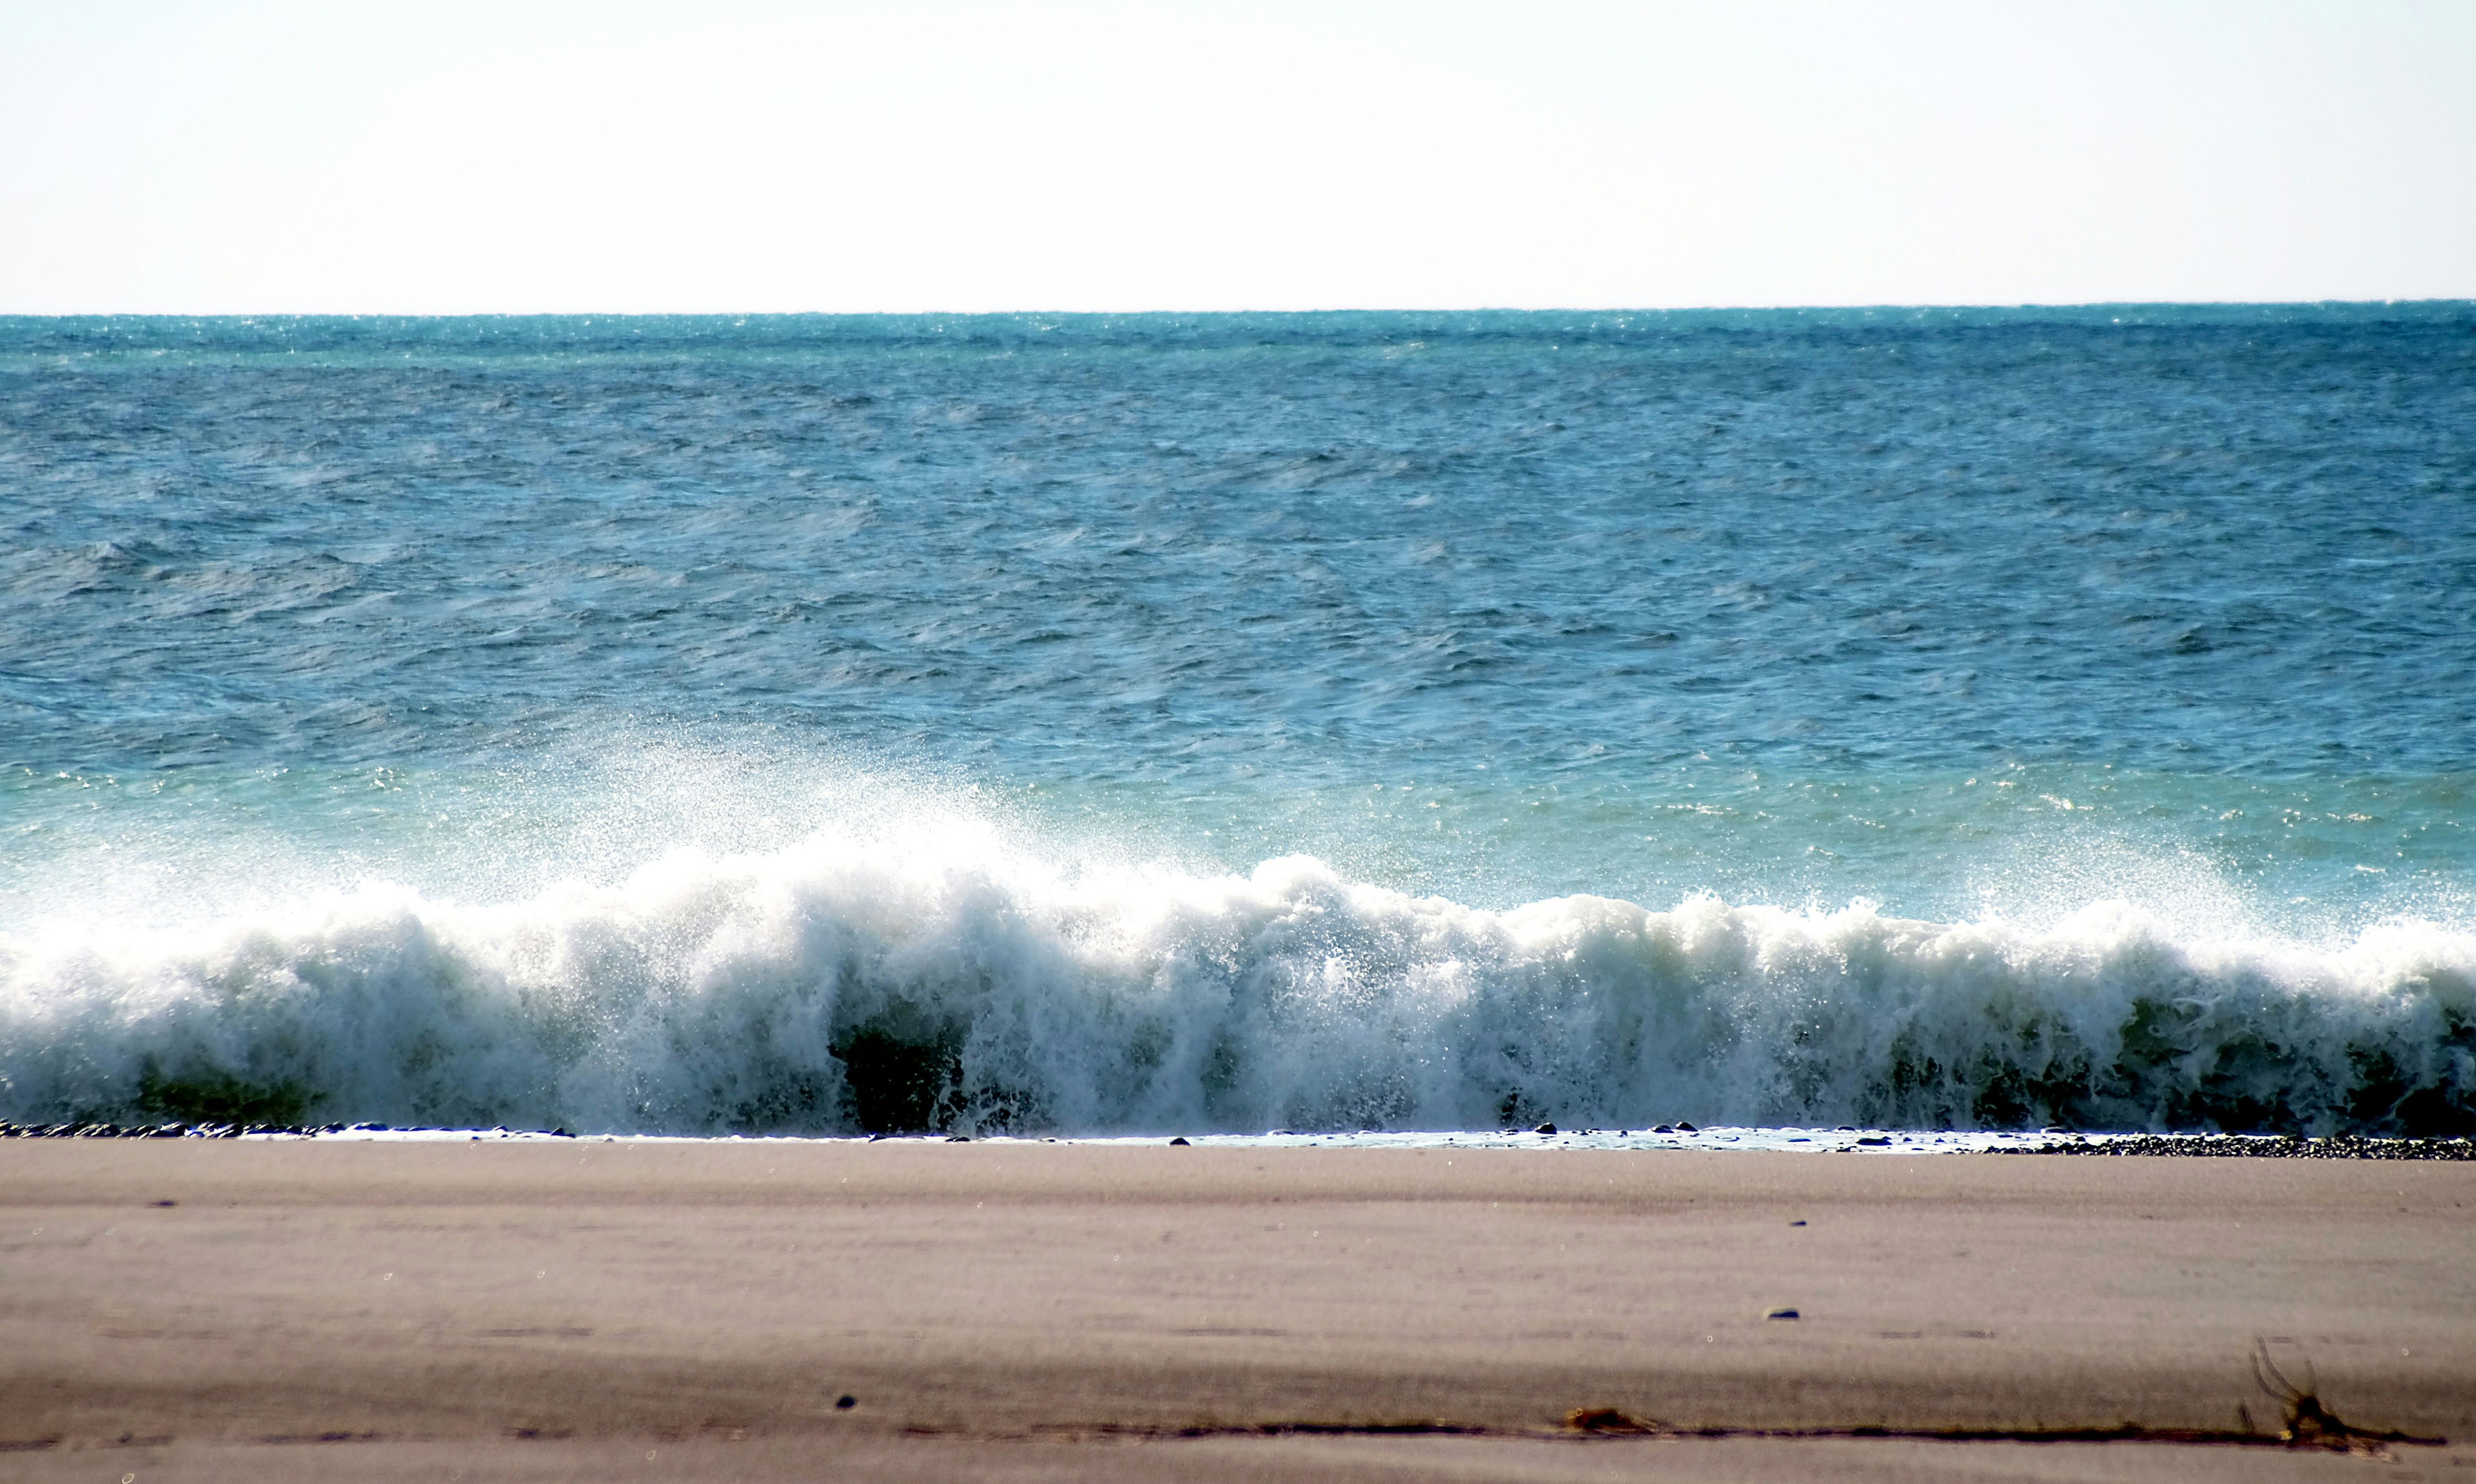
(1909, 718)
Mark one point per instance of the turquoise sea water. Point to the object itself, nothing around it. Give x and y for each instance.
(1922, 718)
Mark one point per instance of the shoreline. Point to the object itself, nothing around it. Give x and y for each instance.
(1843, 1139)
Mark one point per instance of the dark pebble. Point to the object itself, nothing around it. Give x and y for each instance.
(1687, 1128)
(845, 1404)
(1544, 1128)
(1179, 1143)
(1781, 1313)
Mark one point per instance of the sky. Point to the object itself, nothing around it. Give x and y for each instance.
(451, 158)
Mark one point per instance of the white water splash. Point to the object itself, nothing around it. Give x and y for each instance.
(941, 977)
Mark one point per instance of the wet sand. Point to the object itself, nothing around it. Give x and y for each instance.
(591, 1309)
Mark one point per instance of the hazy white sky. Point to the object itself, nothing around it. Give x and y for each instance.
(446, 156)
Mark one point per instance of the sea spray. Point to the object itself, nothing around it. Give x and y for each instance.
(847, 984)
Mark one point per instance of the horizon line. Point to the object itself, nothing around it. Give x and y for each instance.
(2410, 302)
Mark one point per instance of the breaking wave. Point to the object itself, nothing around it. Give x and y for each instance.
(842, 985)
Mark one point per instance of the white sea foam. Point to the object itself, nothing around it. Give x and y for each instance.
(945, 977)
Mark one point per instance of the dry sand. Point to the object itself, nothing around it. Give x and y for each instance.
(213, 1309)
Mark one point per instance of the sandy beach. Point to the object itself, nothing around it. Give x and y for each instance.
(230, 1309)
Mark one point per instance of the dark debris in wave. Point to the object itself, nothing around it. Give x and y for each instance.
(2234, 1146)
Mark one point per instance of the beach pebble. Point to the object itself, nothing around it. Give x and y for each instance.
(1781, 1313)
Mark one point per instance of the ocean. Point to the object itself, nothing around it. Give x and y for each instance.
(1914, 719)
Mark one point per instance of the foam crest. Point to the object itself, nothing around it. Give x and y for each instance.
(946, 981)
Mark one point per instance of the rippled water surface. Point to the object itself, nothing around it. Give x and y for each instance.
(1345, 720)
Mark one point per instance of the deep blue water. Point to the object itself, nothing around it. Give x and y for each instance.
(339, 658)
